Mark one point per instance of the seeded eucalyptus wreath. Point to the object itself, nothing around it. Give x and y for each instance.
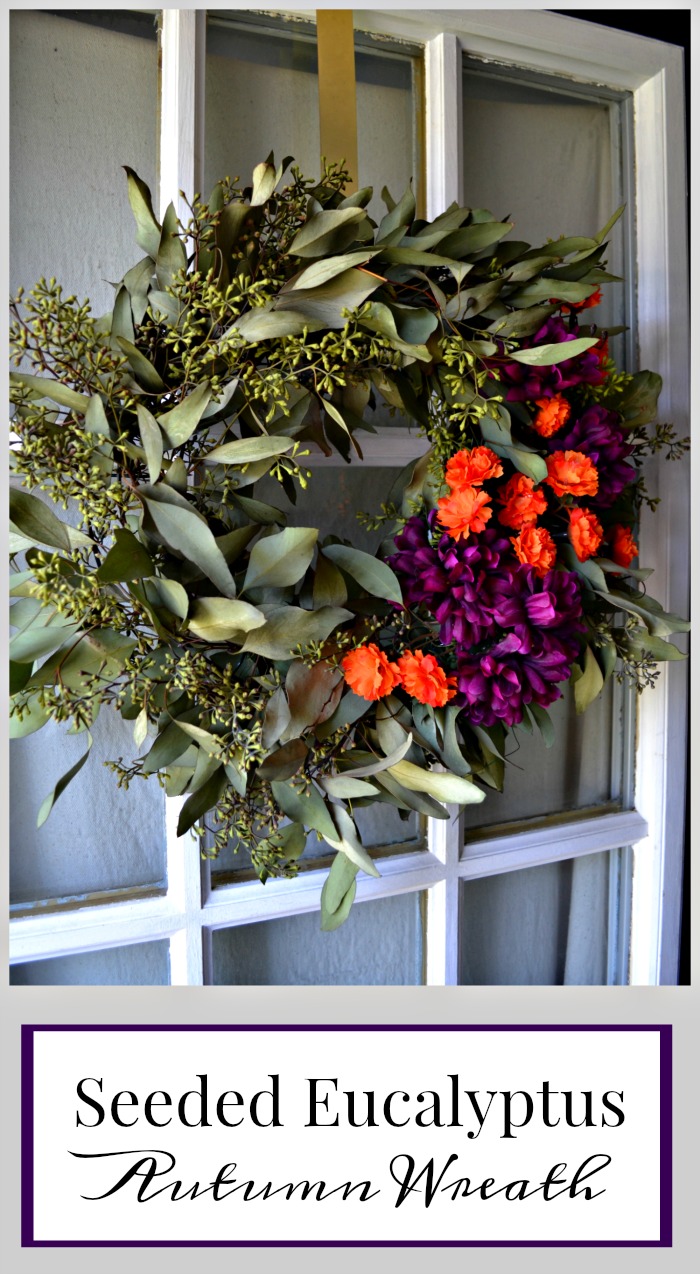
(259, 663)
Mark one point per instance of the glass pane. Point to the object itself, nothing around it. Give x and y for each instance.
(380, 944)
(98, 836)
(543, 926)
(83, 103)
(261, 91)
(543, 159)
(576, 772)
(333, 499)
(143, 964)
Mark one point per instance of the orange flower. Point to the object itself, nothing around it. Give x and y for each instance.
(585, 533)
(472, 468)
(623, 549)
(523, 504)
(535, 547)
(594, 299)
(425, 680)
(552, 415)
(571, 473)
(369, 673)
(464, 511)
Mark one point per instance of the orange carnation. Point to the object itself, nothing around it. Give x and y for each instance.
(523, 504)
(472, 468)
(535, 547)
(369, 673)
(571, 473)
(464, 511)
(585, 533)
(623, 549)
(552, 415)
(425, 680)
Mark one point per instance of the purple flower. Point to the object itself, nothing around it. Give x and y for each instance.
(459, 582)
(529, 383)
(598, 435)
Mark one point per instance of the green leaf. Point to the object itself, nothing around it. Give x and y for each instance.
(143, 369)
(170, 594)
(266, 324)
(182, 530)
(45, 387)
(603, 234)
(289, 626)
(249, 450)
(171, 743)
(19, 676)
(322, 271)
(34, 716)
(342, 787)
(338, 893)
(281, 559)
(329, 586)
(141, 728)
(402, 214)
(49, 801)
(443, 786)
(641, 643)
(309, 808)
(171, 256)
(127, 560)
(382, 762)
(327, 233)
(371, 573)
(265, 178)
(147, 228)
(258, 511)
(179, 424)
(547, 355)
(41, 639)
(347, 841)
(473, 239)
(39, 523)
(326, 305)
(217, 619)
(151, 441)
(544, 722)
(639, 400)
(313, 694)
(659, 622)
(588, 682)
(204, 799)
(285, 761)
(276, 719)
(406, 798)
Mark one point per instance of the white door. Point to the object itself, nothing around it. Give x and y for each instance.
(552, 881)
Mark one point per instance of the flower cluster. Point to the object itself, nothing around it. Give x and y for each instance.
(371, 675)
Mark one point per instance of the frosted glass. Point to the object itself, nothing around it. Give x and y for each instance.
(544, 926)
(380, 944)
(143, 964)
(83, 102)
(574, 773)
(97, 836)
(262, 93)
(543, 160)
(332, 500)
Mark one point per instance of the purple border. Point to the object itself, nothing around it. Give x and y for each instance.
(665, 1033)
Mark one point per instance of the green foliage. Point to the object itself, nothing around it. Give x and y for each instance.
(273, 321)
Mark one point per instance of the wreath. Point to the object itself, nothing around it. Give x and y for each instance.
(280, 681)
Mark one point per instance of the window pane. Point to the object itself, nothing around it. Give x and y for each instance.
(543, 159)
(83, 103)
(262, 91)
(544, 926)
(574, 773)
(97, 837)
(143, 964)
(380, 944)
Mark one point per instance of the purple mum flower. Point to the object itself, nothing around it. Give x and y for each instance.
(529, 383)
(459, 582)
(598, 435)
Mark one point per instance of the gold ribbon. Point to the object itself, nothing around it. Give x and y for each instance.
(337, 94)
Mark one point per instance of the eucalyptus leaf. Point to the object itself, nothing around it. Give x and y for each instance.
(326, 233)
(547, 355)
(287, 627)
(307, 808)
(281, 559)
(588, 681)
(219, 619)
(182, 530)
(243, 451)
(371, 573)
(46, 387)
(60, 787)
(147, 228)
(151, 441)
(126, 560)
(442, 786)
(180, 422)
(202, 800)
(338, 893)
(39, 523)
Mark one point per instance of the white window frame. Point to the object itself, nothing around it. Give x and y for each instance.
(648, 837)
